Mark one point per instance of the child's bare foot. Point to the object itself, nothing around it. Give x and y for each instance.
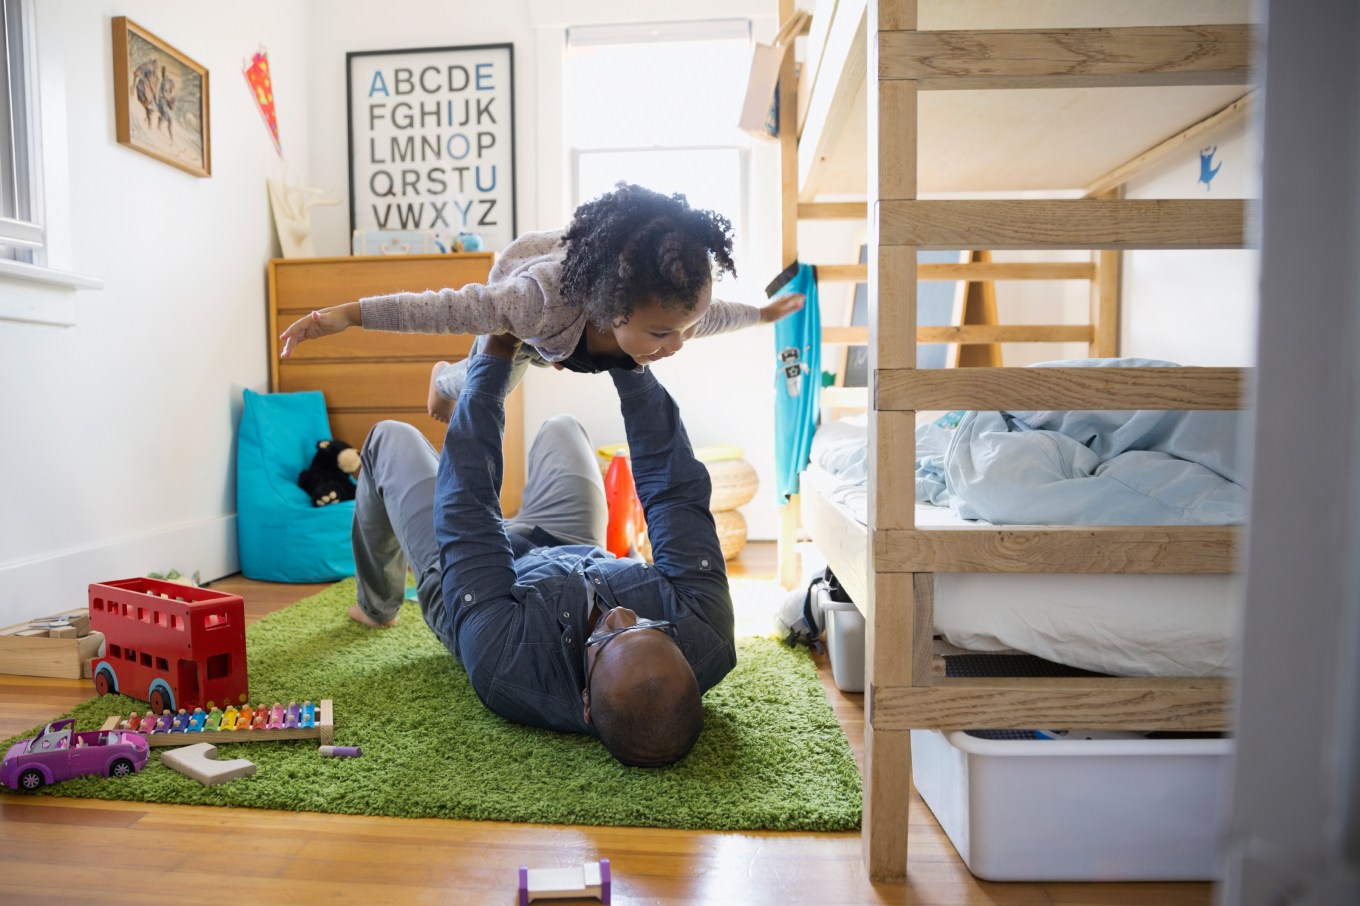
(439, 408)
(357, 614)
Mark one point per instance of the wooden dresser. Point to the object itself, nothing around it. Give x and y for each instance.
(368, 376)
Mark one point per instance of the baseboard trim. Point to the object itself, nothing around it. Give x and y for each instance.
(51, 584)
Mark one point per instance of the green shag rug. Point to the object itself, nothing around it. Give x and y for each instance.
(772, 755)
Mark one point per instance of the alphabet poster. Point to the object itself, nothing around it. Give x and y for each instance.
(432, 141)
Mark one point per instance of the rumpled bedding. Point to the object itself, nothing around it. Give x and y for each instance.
(1085, 467)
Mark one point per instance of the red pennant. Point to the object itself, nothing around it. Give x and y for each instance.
(257, 74)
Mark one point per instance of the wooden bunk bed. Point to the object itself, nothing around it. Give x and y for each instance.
(888, 565)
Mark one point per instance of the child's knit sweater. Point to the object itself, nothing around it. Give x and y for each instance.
(522, 297)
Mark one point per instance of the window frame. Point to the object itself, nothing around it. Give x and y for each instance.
(39, 290)
(21, 190)
(689, 29)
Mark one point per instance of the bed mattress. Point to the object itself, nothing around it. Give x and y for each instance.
(1125, 625)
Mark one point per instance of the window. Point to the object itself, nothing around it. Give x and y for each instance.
(654, 104)
(218, 666)
(21, 229)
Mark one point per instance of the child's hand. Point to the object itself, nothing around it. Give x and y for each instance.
(781, 307)
(321, 323)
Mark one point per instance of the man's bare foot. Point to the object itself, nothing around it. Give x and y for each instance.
(357, 614)
(439, 408)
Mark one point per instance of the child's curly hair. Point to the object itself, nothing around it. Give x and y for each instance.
(633, 245)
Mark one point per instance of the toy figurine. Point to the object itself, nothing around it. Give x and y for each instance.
(181, 722)
(134, 720)
(197, 720)
(229, 718)
(290, 716)
(149, 722)
(166, 722)
(308, 718)
(214, 719)
(261, 717)
(243, 717)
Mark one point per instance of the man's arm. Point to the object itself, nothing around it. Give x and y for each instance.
(675, 490)
(473, 547)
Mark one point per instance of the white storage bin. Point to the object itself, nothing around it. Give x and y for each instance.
(844, 642)
(1076, 809)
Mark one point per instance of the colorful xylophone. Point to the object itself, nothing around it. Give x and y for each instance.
(244, 724)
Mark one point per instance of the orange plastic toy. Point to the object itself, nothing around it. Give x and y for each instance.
(627, 525)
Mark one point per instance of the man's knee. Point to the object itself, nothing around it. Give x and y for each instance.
(392, 438)
(563, 431)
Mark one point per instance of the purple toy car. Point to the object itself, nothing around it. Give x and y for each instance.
(58, 753)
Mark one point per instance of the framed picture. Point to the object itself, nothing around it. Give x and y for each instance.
(160, 100)
(432, 141)
(939, 303)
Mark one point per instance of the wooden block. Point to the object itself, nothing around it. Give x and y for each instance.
(63, 632)
(590, 880)
(199, 761)
(78, 619)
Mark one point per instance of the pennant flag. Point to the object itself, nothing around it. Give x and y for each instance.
(257, 74)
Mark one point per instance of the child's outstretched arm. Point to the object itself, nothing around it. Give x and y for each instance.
(517, 307)
(723, 317)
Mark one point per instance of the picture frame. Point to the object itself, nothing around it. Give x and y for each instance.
(432, 141)
(160, 100)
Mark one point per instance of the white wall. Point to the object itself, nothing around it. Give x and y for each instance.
(1195, 308)
(120, 429)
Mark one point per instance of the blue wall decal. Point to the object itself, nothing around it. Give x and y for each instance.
(1207, 168)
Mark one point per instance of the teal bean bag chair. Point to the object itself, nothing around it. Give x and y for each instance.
(281, 536)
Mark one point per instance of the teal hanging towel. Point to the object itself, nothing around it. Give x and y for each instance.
(797, 381)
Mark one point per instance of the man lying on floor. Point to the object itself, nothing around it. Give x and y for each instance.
(552, 630)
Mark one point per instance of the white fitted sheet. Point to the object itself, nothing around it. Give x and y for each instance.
(1127, 625)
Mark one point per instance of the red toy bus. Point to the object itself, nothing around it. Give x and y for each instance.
(173, 646)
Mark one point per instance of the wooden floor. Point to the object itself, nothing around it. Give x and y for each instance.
(73, 850)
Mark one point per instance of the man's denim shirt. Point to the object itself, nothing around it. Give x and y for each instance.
(516, 612)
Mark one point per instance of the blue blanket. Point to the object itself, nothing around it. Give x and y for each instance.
(1085, 467)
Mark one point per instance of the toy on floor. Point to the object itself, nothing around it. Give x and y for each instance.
(57, 754)
(199, 761)
(329, 479)
(590, 880)
(340, 751)
(247, 725)
(172, 646)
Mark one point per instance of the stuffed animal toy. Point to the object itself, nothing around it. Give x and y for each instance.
(328, 479)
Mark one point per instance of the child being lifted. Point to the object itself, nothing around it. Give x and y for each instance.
(625, 285)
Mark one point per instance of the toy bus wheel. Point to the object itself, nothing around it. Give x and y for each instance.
(120, 768)
(160, 702)
(103, 683)
(31, 780)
